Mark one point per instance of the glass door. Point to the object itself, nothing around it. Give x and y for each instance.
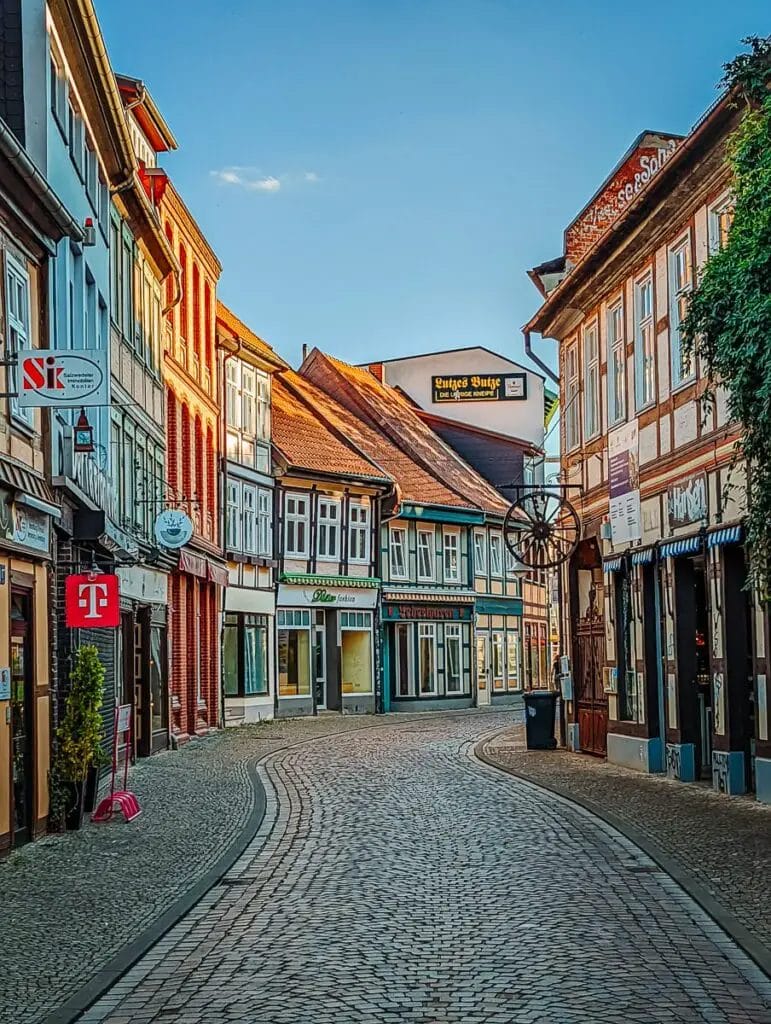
(320, 660)
(403, 673)
(483, 669)
(21, 716)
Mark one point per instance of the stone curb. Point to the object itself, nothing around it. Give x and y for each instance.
(741, 935)
(77, 1004)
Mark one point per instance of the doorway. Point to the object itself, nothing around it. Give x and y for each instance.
(740, 677)
(22, 715)
(483, 669)
(404, 679)
(319, 660)
(694, 679)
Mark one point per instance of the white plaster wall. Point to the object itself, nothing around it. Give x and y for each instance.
(648, 443)
(513, 418)
(701, 236)
(685, 420)
(651, 520)
(665, 435)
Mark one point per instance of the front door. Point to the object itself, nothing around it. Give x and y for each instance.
(320, 662)
(483, 669)
(21, 715)
(591, 700)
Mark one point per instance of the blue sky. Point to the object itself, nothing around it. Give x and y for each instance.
(376, 176)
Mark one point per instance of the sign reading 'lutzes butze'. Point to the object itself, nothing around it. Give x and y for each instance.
(479, 387)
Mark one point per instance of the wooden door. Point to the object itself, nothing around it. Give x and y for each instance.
(591, 699)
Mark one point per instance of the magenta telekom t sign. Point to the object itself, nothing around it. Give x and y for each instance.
(92, 599)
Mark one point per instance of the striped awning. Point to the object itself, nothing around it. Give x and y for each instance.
(642, 557)
(612, 564)
(728, 535)
(685, 546)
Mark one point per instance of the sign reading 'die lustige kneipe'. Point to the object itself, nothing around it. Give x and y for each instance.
(74, 379)
(480, 387)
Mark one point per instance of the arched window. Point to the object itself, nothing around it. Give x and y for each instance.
(184, 326)
(196, 310)
(169, 279)
(211, 481)
(186, 454)
(172, 441)
(200, 474)
(208, 328)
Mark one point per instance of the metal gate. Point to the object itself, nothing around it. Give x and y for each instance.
(591, 699)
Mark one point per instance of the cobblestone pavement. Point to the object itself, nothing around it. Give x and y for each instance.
(397, 879)
(723, 842)
(69, 903)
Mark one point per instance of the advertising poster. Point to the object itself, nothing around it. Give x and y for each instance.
(624, 484)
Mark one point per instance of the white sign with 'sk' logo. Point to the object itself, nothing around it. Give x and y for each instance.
(48, 377)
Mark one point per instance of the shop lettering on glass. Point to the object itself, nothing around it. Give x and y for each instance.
(92, 600)
(687, 501)
(434, 612)
(480, 387)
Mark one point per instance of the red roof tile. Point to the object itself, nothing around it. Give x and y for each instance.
(240, 330)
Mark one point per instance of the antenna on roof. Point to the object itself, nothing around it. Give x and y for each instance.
(305, 351)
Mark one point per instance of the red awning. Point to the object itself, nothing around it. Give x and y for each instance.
(217, 574)
(194, 564)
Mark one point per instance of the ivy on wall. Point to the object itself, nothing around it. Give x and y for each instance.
(729, 317)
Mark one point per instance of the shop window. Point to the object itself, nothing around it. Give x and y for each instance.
(427, 658)
(358, 533)
(680, 281)
(328, 530)
(451, 556)
(480, 554)
(426, 570)
(158, 676)
(499, 678)
(496, 555)
(18, 317)
(403, 663)
(453, 658)
(296, 526)
(544, 674)
(616, 364)
(245, 655)
(294, 653)
(644, 343)
(513, 659)
(356, 652)
(398, 544)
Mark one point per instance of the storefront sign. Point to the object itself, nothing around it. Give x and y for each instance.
(50, 377)
(455, 613)
(624, 471)
(480, 387)
(140, 584)
(32, 529)
(687, 500)
(173, 528)
(327, 597)
(92, 601)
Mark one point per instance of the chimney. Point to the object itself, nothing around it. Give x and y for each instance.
(376, 369)
(305, 351)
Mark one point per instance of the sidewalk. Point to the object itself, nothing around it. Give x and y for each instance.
(70, 903)
(721, 843)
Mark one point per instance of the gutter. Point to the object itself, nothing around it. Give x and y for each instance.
(536, 359)
(37, 184)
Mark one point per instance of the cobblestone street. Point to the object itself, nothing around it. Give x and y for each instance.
(397, 879)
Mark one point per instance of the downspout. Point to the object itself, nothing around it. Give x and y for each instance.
(537, 359)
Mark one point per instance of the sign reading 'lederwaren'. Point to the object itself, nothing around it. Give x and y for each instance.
(480, 387)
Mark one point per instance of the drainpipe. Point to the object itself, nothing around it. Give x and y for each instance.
(537, 359)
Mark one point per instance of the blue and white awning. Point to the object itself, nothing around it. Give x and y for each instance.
(642, 557)
(728, 535)
(686, 546)
(612, 564)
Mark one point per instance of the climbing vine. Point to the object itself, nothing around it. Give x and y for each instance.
(729, 317)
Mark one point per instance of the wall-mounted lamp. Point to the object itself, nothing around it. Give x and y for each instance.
(84, 434)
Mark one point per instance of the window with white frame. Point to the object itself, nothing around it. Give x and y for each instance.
(616, 364)
(480, 553)
(427, 658)
(358, 533)
(680, 282)
(591, 383)
(232, 406)
(328, 529)
(453, 658)
(721, 217)
(262, 406)
(250, 519)
(451, 556)
(644, 346)
(513, 661)
(264, 522)
(248, 401)
(233, 524)
(58, 86)
(296, 525)
(496, 554)
(426, 570)
(572, 438)
(398, 552)
(18, 317)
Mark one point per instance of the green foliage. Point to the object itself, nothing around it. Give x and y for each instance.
(79, 737)
(729, 318)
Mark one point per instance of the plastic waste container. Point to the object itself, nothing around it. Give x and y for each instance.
(539, 719)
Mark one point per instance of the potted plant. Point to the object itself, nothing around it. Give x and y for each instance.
(79, 736)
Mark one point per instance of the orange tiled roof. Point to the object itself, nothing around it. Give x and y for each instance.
(389, 413)
(306, 442)
(239, 328)
(415, 483)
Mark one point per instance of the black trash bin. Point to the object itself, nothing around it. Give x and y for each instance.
(539, 719)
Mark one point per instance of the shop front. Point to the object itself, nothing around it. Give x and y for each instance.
(25, 711)
(247, 655)
(498, 640)
(427, 660)
(325, 650)
(142, 656)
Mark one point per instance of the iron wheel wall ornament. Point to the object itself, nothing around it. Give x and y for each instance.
(541, 528)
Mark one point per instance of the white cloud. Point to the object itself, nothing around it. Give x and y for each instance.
(252, 180)
(311, 176)
(228, 176)
(269, 184)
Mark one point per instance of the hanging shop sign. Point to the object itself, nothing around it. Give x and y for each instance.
(49, 377)
(23, 525)
(445, 612)
(327, 597)
(687, 501)
(173, 529)
(92, 600)
(624, 470)
(480, 387)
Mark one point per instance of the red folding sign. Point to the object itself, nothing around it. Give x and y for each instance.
(93, 600)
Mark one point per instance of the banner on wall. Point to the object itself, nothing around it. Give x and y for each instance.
(624, 484)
